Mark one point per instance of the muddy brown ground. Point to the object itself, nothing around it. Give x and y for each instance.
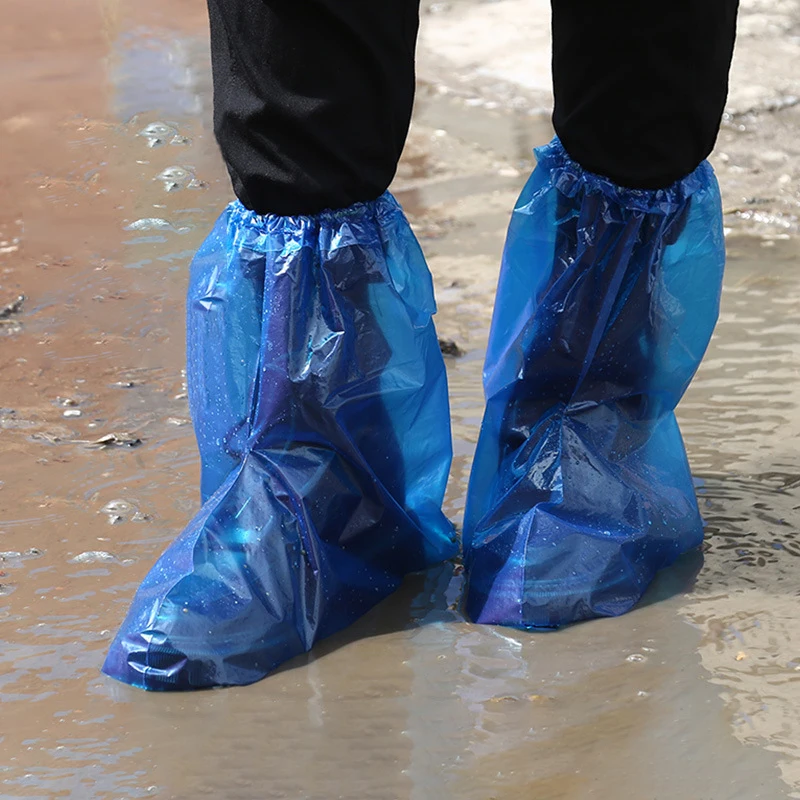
(693, 696)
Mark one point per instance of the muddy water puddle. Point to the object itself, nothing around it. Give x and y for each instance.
(694, 695)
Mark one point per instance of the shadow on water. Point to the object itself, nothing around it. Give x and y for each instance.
(435, 597)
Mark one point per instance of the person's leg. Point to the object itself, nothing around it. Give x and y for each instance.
(317, 387)
(608, 296)
(640, 88)
(312, 98)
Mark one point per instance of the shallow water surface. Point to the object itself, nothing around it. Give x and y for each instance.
(114, 180)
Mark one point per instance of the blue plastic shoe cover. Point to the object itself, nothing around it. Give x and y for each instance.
(319, 398)
(580, 489)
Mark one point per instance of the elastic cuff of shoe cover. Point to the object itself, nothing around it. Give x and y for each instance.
(569, 177)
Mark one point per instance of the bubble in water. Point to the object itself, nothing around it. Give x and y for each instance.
(157, 133)
(94, 557)
(14, 558)
(176, 178)
(118, 507)
(155, 224)
(149, 224)
(160, 133)
(118, 511)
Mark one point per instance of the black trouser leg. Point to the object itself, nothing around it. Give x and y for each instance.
(312, 98)
(640, 87)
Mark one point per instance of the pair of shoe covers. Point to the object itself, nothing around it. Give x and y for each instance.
(319, 400)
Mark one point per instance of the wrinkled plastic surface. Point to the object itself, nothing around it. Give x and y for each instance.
(319, 399)
(581, 489)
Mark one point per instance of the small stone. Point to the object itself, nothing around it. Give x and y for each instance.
(12, 308)
(115, 440)
(450, 348)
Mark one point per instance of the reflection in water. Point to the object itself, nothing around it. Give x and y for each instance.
(413, 702)
(159, 71)
(743, 420)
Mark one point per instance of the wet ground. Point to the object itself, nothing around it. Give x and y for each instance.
(110, 180)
